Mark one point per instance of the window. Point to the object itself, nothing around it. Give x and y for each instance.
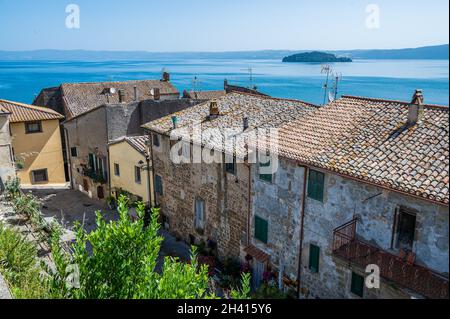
(231, 167)
(357, 285)
(314, 256)
(92, 161)
(116, 169)
(262, 176)
(33, 127)
(199, 221)
(316, 182)
(406, 226)
(261, 229)
(156, 141)
(97, 165)
(40, 176)
(158, 185)
(74, 152)
(137, 174)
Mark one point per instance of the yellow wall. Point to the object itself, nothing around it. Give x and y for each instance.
(128, 157)
(39, 151)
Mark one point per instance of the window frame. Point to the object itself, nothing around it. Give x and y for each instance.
(233, 170)
(116, 169)
(76, 151)
(411, 213)
(265, 177)
(33, 172)
(156, 140)
(316, 191)
(27, 129)
(258, 223)
(202, 220)
(159, 189)
(137, 175)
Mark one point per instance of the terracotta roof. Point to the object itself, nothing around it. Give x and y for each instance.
(3, 110)
(205, 95)
(257, 253)
(261, 112)
(139, 143)
(24, 112)
(368, 139)
(82, 97)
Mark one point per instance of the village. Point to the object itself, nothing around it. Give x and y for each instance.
(306, 197)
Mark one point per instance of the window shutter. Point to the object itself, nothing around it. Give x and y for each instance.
(357, 285)
(261, 229)
(316, 181)
(314, 256)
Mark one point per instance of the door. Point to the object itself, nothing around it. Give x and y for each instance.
(258, 274)
(100, 192)
(405, 230)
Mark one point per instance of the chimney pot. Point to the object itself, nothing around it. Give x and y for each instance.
(156, 94)
(415, 111)
(121, 96)
(174, 122)
(166, 76)
(213, 110)
(135, 93)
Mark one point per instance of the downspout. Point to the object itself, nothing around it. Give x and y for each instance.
(249, 203)
(150, 137)
(69, 156)
(302, 213)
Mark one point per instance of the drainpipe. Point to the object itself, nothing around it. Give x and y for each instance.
(69, 156)
(150, 138)
(149, 194)
(249, 203)
(302, 213)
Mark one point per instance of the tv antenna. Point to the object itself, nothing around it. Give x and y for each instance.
(195, 84)
(328, 70)
(336, 81)
(250, 73)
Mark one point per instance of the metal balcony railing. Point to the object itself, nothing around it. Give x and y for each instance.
(393, 268)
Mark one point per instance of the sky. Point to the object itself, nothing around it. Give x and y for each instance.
(223, 25)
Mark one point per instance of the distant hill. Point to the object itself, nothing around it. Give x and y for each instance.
(432, 52)
(315, 57)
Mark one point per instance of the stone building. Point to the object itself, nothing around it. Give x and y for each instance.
(7, 169)
(360, 182)
(210, 200)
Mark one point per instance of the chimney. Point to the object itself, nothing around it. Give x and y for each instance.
(166, 76)
(185, 94)
(225, 84)
(136, 97)
(213, 110)
(245, 122)
(415, 111)
(156, 94)
(121, 96)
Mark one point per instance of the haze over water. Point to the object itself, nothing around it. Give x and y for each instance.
(387, 79)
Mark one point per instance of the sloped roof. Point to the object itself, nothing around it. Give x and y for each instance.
(261, 111)
(3, 110)
(24, 112)
(82, 97)
(368, 139)
(205, 95)
(139, 143)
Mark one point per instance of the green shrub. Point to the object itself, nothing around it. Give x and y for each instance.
(12, 188)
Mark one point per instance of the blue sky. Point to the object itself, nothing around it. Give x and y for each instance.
(221, 25)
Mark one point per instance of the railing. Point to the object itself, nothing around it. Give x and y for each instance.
(392, 268)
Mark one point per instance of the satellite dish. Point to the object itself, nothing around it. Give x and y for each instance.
(112, 91)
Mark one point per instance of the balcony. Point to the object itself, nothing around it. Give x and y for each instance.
(393, 268)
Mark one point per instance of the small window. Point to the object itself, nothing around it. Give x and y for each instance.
(199, 221)
(40, 176)
(137, 174)
(158, 185)
(265, 177)
(357, 285)
(231, 167)
(33, 127)
(314, 256)
(261, 229)
(406, 227)
(156, 141)
(116, 169)
(74, 152)
(316, 182)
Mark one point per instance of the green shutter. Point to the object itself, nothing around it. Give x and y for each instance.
(314, 256)
(261, 229)
(265, 177)
(91, 161)
(316, 181)
(357, 286)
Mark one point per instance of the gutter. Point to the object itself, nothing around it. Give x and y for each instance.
(302, 213)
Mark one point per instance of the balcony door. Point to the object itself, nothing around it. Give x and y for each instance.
(406, 227)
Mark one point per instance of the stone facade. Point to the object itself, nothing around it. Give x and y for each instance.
(280, 204)
(225, 196)
(7, 169)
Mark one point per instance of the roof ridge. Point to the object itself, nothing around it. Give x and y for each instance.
(102, 82)
(33, 107)
(275, 98)
(362, 98)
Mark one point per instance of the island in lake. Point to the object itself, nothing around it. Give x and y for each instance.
(315, 57)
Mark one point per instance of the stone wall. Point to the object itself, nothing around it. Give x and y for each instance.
(225, 196)
(7, 170)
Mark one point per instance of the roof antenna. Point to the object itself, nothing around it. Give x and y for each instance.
(250, 72)
(328, 70)
(337, 77)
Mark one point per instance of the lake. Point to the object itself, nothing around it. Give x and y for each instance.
(388, 79)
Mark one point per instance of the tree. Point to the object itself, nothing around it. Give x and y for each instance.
(117, 261)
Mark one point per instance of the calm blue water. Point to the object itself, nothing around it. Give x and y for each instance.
(389, 79)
